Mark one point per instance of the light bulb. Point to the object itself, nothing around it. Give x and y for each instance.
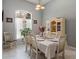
(37, 8)
(38, 5)
(42, 7)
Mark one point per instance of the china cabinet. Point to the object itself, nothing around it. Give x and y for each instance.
(56, 25)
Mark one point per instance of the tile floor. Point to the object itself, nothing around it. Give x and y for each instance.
(19, 52)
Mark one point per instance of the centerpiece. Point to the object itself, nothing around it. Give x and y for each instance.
(42, 29)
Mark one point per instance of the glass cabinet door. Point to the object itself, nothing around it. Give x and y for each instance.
(53, 26)
(58, 26)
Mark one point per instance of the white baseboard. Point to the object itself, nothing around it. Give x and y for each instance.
(72, 47)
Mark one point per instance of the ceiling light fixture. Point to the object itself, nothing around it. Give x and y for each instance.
(39, 6)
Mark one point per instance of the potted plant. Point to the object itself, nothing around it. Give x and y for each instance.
(25, 31)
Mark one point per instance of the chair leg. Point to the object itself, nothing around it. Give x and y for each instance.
(63, 56)
(26, 47)
(57, 56)
(36, 55)
(30, 54)
(30, 51)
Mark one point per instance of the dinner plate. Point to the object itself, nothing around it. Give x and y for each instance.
(40, 39)
(54, 40)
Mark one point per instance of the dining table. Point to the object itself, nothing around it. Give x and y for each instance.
(47, 46)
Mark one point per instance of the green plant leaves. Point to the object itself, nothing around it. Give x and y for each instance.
(25, 31)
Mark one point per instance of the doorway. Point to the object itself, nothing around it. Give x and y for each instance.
(23, 19)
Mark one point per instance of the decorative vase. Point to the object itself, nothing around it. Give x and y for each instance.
(42, 28)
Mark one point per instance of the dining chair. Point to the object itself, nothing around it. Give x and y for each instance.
(8, 41)
(34, 46)
(28, 42)
(61, 46)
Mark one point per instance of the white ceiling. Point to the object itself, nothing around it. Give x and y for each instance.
(43, 2)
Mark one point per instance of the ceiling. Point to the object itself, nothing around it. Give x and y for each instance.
(43, 2)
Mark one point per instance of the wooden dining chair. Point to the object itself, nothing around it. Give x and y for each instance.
(34, 46)
(8, 41)
(61, 46)
(28, 43)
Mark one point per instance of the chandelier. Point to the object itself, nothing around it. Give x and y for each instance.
(39, 6)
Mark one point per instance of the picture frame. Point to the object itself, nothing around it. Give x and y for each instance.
(35, 21)
(9, 20)
(28, 16)
(2, 15)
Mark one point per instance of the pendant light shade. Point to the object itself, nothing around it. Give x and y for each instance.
(39, 6)
(42, 7)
